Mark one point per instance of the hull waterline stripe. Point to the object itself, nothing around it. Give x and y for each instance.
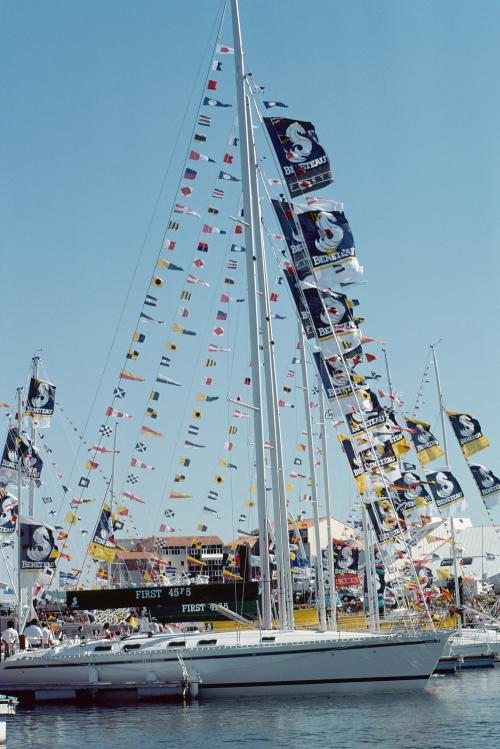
(299, 682)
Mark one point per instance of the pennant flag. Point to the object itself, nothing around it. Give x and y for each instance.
(426, 445)
(188, 443)
(133, 497)
(208, 229)
(214, 348)
(147, 318)
(176, 328)
(197, 156)
(487, 483)
(216, 193)
(125, 374)
(271, 104)
(139, 464)
(222, 49)
(167, 381)
(117, 414)
(208, 102)
(179, 495)
(178, 208)
(228, 177)
(468, 433)
(150, 432)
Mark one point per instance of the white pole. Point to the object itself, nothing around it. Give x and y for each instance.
(320, 583)
(253, 320)
(19, 504)
(445, 448)
(326, 489)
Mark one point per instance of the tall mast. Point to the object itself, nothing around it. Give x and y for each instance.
(31, 484)
(112, 490)
(285, 597)
(445, 448)
(33, 434)
(19, 502)
(326, 490)
(244, 129)
(320, 584)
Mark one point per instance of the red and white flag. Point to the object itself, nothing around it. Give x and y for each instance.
(117, 414)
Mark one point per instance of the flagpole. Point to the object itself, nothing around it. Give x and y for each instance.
(326, 489)
(253, 319)
(19, 502)
(31, 502)
(388, 371)
(445, 448)
(320, 583)
(112, 489)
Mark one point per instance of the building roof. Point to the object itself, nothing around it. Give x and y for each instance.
(188, 540)
(252, 540)
(125, 556)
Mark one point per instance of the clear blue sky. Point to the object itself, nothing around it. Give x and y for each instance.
(405, 99)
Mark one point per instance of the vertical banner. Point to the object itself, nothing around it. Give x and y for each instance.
(38, 548)
(445, 489)
(302, 159)
(103, 544)
(426, 445)
(468, 433)
(41, 402)
(487, 483)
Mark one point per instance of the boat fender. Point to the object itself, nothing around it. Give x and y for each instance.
(151, 676)
(193, 689)
(93, 675)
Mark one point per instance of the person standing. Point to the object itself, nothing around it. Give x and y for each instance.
(10, 639)
(33, 634)
(47, 636)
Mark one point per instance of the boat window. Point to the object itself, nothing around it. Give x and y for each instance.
(131, 646)
(268, 639)
(207, 642)
(99, 648)
(177, 644)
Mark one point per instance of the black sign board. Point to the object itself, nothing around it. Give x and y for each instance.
(201, 612)
(117, 598)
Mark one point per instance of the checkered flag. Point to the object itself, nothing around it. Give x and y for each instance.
(132, 478)
(105, 430)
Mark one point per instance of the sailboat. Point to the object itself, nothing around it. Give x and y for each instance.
(271, 660)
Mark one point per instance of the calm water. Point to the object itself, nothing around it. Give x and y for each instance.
(453, 713)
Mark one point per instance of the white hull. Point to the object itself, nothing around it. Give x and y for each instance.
(239, 664)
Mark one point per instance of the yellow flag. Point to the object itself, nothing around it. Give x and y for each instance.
(71, 518)
(289, 487)
(98, 551)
